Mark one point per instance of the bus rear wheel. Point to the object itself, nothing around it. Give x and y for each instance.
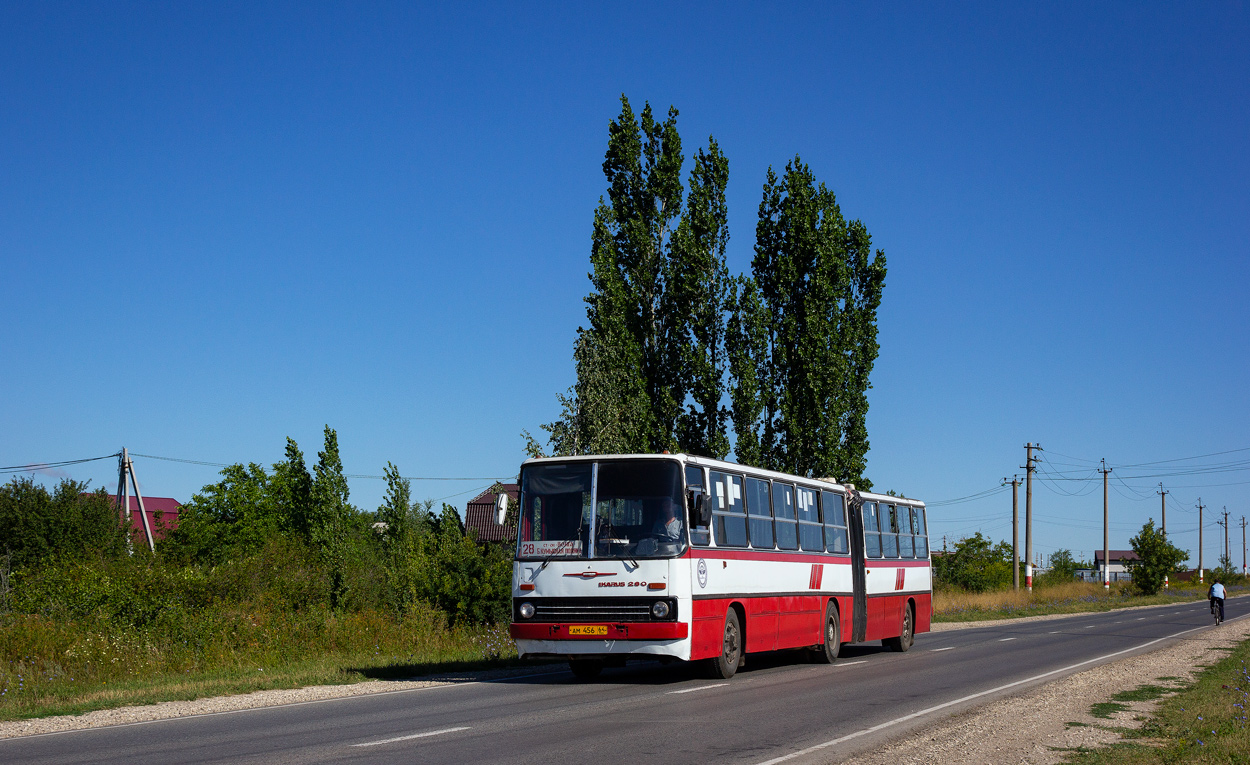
(828, 653)
(904, 641)
(724, 666)
(585, 669)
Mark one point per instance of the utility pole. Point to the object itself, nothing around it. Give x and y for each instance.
(1163, 513)
(1106, 531)
(1029, 467)
(1163, 509)
(1015, 532)
(1199, 540)
(1227, 554)
(1243, 545)
(125, 468)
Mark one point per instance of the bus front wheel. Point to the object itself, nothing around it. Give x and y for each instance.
(724, 666)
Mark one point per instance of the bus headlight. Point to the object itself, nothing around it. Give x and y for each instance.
(526, 610)
(659, 609)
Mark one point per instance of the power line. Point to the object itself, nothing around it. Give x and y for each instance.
(345, 475)
(35, 466)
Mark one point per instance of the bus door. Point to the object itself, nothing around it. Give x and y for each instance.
(859, 610)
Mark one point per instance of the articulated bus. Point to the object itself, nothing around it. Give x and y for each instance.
(678, 557)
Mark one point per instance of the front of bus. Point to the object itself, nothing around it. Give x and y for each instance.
(598, 573)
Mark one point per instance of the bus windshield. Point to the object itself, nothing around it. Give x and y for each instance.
(638, 512)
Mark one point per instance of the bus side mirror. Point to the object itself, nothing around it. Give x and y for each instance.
(501, 508)
(700, 510)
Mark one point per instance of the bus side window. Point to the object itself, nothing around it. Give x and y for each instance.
(906, 545)
(834, 507)
(783, 515)
(729, 520)
(810, 536)
(922, 539)
(872, 532)
(889, 531)
(760, 513)
(699, 535)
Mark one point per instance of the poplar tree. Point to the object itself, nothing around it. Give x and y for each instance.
(697, 300)
(630, 386)
(330, 514)
(803, 334)
(292, 488)
(396, 508)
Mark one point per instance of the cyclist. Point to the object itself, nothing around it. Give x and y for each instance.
(1216, 594)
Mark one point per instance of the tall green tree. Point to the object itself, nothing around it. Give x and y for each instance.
(1156, 558)
(331, 515)
(629, 367)
(807, 321)
(396, 508)
(292, 488)
(697, 300)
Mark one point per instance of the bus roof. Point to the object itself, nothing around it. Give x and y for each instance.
(694, 459)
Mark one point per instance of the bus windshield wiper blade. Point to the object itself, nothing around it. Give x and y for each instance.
(559, 549)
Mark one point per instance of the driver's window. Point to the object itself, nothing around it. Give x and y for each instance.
(699, 535)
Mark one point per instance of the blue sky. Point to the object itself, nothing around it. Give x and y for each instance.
(222, 225)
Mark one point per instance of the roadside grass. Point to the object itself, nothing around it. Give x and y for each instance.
(51, 667)
(1202, 722)
(1066, 598)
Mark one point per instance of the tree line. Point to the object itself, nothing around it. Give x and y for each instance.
(679, 354)
(402, 556)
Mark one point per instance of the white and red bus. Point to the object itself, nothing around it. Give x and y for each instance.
(678, 557)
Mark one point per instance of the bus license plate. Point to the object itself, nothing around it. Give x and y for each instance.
(595, 629)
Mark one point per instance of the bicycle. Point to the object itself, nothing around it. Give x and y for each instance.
(1217, 613)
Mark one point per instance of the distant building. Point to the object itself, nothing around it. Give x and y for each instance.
(1118, 570)
(480, 516)
(166, 507)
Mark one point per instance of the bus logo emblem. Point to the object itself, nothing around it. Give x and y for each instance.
(702, 573)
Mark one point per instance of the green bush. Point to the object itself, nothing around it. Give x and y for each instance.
(69, 523)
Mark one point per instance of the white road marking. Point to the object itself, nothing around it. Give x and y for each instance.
(1090, 626)
(415, 735)
(1141, 618)
(1056, 632)
(970, 697)
(947, 648)
(1004, 640)
(850, 663)
(699, 688)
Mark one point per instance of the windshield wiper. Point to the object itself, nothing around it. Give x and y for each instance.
(559, 549)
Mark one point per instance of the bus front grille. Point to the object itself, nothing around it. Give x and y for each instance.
(593, 609)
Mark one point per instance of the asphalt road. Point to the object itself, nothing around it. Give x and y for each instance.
(775, 707)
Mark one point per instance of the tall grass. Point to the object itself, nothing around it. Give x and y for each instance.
(88, 634)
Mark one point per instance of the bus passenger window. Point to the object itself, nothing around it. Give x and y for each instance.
(810, 536)
(760, 514)
(889, 532)
(783, 514)
(872, 531)
(906, 547)
(699, 535)
(922, 539)
(834, 508)
(729, 522)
